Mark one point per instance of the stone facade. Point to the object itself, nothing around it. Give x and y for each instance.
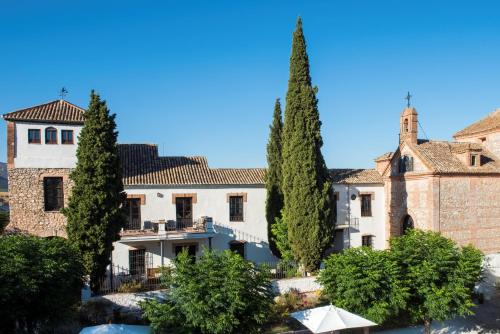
(27, 208)
(470, 211)
(462, 203)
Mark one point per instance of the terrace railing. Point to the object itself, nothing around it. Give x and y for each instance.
(119, 279)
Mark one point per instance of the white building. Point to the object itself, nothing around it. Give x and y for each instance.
(173, 203)
(359, 196)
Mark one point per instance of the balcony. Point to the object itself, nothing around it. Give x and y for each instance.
(348, 223)
(137, 228)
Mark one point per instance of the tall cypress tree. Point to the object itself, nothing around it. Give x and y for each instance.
(306, 183)
(274, 200)
(94, 214)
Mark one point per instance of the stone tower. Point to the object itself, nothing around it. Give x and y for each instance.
(408, 126)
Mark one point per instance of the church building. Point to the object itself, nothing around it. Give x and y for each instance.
(452, 187)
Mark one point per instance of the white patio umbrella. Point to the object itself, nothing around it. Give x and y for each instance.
(330, 318)
(116, 329)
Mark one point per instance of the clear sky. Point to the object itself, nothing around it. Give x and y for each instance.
(200, 78)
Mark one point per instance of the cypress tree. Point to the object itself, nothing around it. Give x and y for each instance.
(274, 200)
(306, 183)
(94, 214)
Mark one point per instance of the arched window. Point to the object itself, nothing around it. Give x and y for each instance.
(50, 135)
(405, 164)
(405, 126)
(406, 224)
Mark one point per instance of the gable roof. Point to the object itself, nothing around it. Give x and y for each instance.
(141, 165)
(58, 111)
(490, 122)
(441, 157)
(356, 176)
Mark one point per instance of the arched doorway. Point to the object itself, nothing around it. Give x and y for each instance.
(407, 224)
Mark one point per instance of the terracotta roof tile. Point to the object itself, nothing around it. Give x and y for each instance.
(58, 111)
(490, 122)
(385, 156)
(442, 157)
(355, 176)
(141, 165)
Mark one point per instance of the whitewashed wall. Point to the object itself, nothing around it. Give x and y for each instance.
(346, 208)
(212, 202)
(44, 155)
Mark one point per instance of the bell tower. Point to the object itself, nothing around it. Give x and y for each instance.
(408, 126)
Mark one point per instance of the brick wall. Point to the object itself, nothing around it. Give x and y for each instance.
(10, 144)
(463, 208)
(470, 211)
(26, 199)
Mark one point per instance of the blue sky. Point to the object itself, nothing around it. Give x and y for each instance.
(200, 78)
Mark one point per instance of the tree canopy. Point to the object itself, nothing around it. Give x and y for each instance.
(41, 280)
(274, 199)
(440, 276)
(94, 214)
(422, 277)
(366, 282)
(306, 183)
(219, 293)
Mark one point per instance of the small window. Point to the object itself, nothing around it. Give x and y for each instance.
(474, 160)
(406, 125)
(236, 208)
(367, 240)
(405, 164)
(53, 193)
(34, 136)
(66, 136)
(366, 205)
(237, 247)
(50, 136)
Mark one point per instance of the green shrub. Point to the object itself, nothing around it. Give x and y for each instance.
(41, 280)
(219, 293)
(366, 282)
(131, 286)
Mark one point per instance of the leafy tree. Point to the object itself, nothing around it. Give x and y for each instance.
(279, 231)
(4, 220)
(94, 214)
(439, 275)
(306, 183)
(365, 281)
(219, 293)
(274, 200)
(41, 280)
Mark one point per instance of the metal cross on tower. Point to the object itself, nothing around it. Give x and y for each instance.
(63, 92)
(408, 98)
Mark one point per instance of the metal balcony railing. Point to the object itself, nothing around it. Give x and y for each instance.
(133, 224)
(348, 223)
(185, 225)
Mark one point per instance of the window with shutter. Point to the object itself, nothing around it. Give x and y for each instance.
(366, 205)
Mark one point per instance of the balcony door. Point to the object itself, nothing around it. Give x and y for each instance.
(133, 211)
(184, 212)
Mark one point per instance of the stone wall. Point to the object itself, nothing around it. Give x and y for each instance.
(464, 208)
(470, 211)
(26, 197)
(410, 196)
